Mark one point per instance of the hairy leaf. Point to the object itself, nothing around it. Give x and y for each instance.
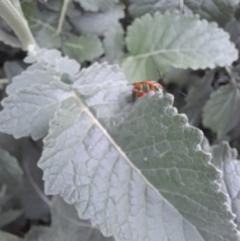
(197, 97)
(219, 11)
(6, 217)
(12, 68)
(29, 111)
(83, 48)
(225, 158)
(221, 112)
(162, 41)
(97, 5)
(10, 171)
(114, 43)
(98, 23)
(124, 166)
(4, 236)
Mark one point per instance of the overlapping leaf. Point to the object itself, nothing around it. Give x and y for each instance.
(124, 166)
(83, 48)
(29, 112)
(173, 40)
(225, 158)
(221, 112)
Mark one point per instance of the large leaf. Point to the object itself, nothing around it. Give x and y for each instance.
(97, 5)
(173, 40)
(221, 112)
(83, 48)
(97, 23)
(225, 158)
(30, 110)
(137, 171)
(219, 11)
(10, 171)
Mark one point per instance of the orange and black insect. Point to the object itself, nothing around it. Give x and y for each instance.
(141, 89)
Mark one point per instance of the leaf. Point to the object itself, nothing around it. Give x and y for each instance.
(97, 5)
(220, 113)
(4, 236)
(30, 110)
(12, 68)
(114, 43)
(10, 171)
(98, 23)
(219, 11)
(178, 76)
(173, 40)
(197, 97)
(83, 48)
(225, 158)
(10, 40)
(137, 171)
(7, 217)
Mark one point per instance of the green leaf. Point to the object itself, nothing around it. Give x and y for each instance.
(98, 23)
(29, 111)
(219, 11)
(10, 171)
(225, 158)
(173, 40)
(83, 48)
(197, 97)
(97, 5)
(4, 236)
(221, 112)
(12, 68)
(132, 167)
(114, 43)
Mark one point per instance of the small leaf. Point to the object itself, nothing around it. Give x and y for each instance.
(197, 97)
(67, 66)
(97, 5)
(221, 112)
(83, 48)
(7, 217)
(173, 40)
(114, 43)
(225, 158)
(133, 167)
(10, 171)
(98, 23)
(30, 110)
(12, 68)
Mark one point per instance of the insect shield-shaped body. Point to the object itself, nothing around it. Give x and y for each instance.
(143, 88)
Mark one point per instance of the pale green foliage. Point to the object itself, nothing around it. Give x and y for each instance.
(4, 236)
(114, 43)
(83, 48)
(162, 41)
(98, 23)
(219, 11)
(89, 160)
(10, 171)
(97, 5)
(221, 112)
(225, 158)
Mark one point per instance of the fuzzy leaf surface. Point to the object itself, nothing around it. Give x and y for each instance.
(225, 158)
(173, 40)
(84, 48)
(137, 171)
(29, 110)
(220, 113)
(4, 236)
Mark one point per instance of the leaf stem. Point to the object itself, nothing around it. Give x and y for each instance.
(62, 16)
(181, 5)
(18, 23)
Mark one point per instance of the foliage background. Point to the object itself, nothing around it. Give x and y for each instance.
(104, 30)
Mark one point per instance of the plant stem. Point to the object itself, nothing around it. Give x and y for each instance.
(62, 16)
(19, 25)
(181, 5)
